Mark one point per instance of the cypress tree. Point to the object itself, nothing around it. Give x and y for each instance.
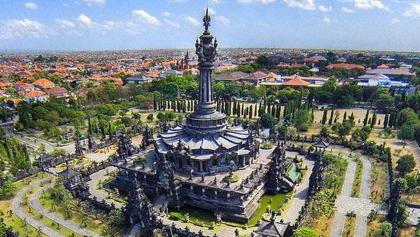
(238, 110)
(331, 117)
(250, 112)
(373, 122)
(386, 121)
(234, 108)
(255, 111)
(324, 117)
(242, 109)
(345, 116)
(154, 102)
(365, 120)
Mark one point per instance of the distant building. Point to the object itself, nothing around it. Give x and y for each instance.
(58, 92)
(394, 74)
(137, 79)
(167, 73)
(43, 84)
(36, 96)
(346, 66)
(313, 81)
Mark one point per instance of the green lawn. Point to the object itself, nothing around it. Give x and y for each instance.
(274, 202)
(93, 224)
(357, 181)
(204, 218)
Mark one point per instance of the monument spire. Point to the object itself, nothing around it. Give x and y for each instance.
(206, 116)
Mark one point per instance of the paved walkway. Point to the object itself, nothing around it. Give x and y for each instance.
(18, 210)
(361, 206)
(36, 205)
(298, 201)
(101, 194)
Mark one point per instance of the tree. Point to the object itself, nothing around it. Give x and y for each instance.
(331, 117)
(373, 122)
(150, 117)
(365, 120)
(406, 164)
(267, 120)
(406, 132)
(7, 188)
(401, 215)
(305, 231)
(302, 120)
(324, 117)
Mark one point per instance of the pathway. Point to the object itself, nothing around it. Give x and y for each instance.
(36, 205)
(298, 201)
(101, 194)
(18, 210)
(361, 206)
(340, 216)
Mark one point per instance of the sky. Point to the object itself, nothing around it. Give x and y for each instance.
(145, 24)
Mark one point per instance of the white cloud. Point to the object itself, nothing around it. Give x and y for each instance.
(413, 11)
(30, 5)
(166, 14)
(347, 10)
(192, 20)
(223, 20)
(214, 1)
(145, 17)
(370, 4)
(172, 23)
(256, 1)
(326, 19)
(212, 12)
(395, 20)
(14, 29)
(64, 24)
(323, 8)
(303, 4)
(94, 2)
(85, 20)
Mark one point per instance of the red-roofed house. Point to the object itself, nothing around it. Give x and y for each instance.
(296, 81)
(58, 92)
(35, 96)
(346, 66)
(44, 84)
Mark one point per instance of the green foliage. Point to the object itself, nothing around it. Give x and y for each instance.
(406, 132)
(14, 154)
(267, 120)
(59, 194)
(166, 116)
(305, 231)
(384, 230)
(248, 68)
(7, 188)
(406, 164)
(117, 218)
(302, 120)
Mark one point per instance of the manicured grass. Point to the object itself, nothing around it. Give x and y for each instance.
(45, 220)
(357, 181)
(274, 202)
(348, 230)
(204, 218)
(197, 216)
(93, 224)
(379, 182)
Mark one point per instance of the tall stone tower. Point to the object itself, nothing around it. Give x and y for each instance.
(206, 118)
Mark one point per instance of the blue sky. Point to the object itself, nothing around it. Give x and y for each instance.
(140, 24)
